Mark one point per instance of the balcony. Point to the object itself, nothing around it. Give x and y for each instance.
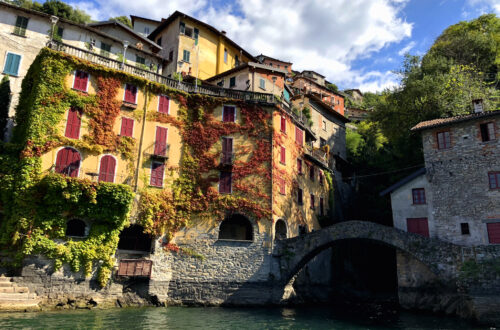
(251, 97)
(135, 268)
(227, 159)
(158, 152)
(317, 155)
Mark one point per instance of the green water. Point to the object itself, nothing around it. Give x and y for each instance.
(224, 318)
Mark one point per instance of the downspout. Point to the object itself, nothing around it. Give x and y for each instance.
(146, 101)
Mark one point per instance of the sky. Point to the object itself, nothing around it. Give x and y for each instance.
(354, 43)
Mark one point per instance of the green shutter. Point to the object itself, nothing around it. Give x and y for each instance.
(182, 27)
(196, 34)
(105, 49)
(12, 64)
(21, 25)
(186, 56)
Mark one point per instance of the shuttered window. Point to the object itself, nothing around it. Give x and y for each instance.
(299, 165)
(487, 132)
(81, 81)
(299, 136)
(68, 162)
(130, 93)
(107, 169)
(127, 128)
(227, 150)
(157, 171)
(282, 155)
(12, 64)
(225, 183)
(105, 49)
(312, 201)
(494, 180)
(163, 104)
(418, 226)
(493, 232)
(73, 124)
(283, 124)
(21, 25)
(300, 197)
(186, 55)
(418, 196)
(161, 141)
(281, 184)
(228, 114)
(311, 173)
(444, 140)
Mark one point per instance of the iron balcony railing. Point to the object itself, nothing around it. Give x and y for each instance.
(317, 154)
(153, 76)
(93, 175)
(158, 151)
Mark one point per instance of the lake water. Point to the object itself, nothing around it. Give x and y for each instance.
(225, 318)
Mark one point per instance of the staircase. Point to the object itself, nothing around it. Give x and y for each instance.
(13, 297)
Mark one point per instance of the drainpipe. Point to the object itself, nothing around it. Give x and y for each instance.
(146, 101)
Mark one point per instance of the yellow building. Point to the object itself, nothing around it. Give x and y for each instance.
(196, 48)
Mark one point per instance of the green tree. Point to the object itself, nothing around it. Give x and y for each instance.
(122, 19)
(4, 104)
(332, 87)
(55, 7)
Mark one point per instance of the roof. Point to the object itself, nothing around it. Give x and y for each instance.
(403, 181)
(177, 14)
(274, 59)
(313, 72)
(354, 89)
(453, 120)
(133, 18)
(319, 85)
(127, 29)
(329, 108)
(81, 26)
(245, 65)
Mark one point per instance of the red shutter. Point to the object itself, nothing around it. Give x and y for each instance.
(163, 104)
(299, 166)
(283, 155)
(283, 124)
(228, 114)
(127, 127)
(225, 182)
(81, 80)
(281, 182)
(418, 226)
(299, 136)
(73, 124)
(68, 162)
(161, 141)
(493, 232)
(107, 169)
(130, 93)
(157, 170)
(312, 201)
(227, 150)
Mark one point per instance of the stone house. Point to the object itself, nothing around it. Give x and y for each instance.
(143, 26)
(267, 60)
(312, 82)
(356, 115)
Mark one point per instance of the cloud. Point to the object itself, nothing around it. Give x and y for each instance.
(407, 48)
(474, 8)
(325, 36)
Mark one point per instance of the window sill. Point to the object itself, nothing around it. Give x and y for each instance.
(129, 105)
(158, 187)
(19, 35)
(234, 240)
(79, 90)
(282, 163)
(11, 75)
(185, 61)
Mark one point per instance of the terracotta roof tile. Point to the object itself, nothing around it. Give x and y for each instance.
(452, 120)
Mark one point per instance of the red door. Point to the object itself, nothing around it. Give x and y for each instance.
(73, 124)
(161, 141)
(107, 169)
(227, 150)
(418, 226)
(494, 232)
(68, 162)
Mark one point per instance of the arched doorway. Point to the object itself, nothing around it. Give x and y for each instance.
(236, 227)
(280, 231)
(133, 238)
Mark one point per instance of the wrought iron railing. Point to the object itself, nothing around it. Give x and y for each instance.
(158, 151)
(153, 76)
(227, 158)
(318, 154)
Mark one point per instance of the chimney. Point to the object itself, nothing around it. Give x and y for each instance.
(478, 105)
(223, 32)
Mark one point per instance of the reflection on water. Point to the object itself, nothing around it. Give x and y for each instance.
(223, 318)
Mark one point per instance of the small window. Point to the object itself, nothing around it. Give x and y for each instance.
(494, 180)
(59, 32)
(73, 124)
(130, 94)
(158, 42)
(107, 169)
(127, 128)
(283, 124)
(444, 140)
(12, 63)
(236, 60)
(311, 172)
(228, 114)
(300, 196)
(225, 55)
(185, 56)
(81, 81)
(171, 56)
(225, 183)
(324, 125)
(188, 31)
(21, 25)
(157, 171)
(196, 35)
(140, 60)
(75, 228)
(312, 202)
(236, 227)
(418, 196)
(105, 49)
(182, 27)
(286, 67)
(282, 155)
(146, 30)
(232, 81)
(282, 186)
(299, 166)
(262, 83)
(487, 132)
(163, 104)
(161, 147)
(321, 178)
(464, 228)
(299, 136)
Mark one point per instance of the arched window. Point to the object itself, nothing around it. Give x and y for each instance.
(107, 169)
(236, 227)
(134, 238)
(280, 229)
(68, 162)
(75, 228)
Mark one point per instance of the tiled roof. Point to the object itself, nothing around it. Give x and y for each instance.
(453, 120)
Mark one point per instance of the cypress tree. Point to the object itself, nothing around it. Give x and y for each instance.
(4, 104)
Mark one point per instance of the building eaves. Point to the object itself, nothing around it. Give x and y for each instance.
(318, 101)
(314, 73)
(403, 181)
(133, 18)
(271, 58)
(245, 65)
(453, 120)
(127, 29)
(319, 86)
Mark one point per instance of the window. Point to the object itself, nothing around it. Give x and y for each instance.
(185, 56)
(299, 136)
(232, 81)
(312, 201)
(262, 83)
(227, 151)
(280, 230)
(68, 162)
(324, 125)
(236, 227)
(299, 165)
(418, 196)
(188, 32)
(281, 183)
(163, 104)
(105, 49)
(282, 155)
(464, 228)
(140, 60)
(444, 140)
(493, 232)
(130, 94)
(228, 114)
(494, 179)
(221, 83)
(12, 64)
(300, 194)
(161, 141)
(146, 30)
(107, 169)
(75, 228)
(171, 56)
(321, 181)
(322, 142)
(321, 209)
(196, 36)
(73, 124)
(59, 32)
(133, 238)
(283, 124)
(21, 25)
(225, 55)
(127, 128)
(157, 171)
(225, 183)
(158, 42)
(418, 226)
(311, 172)
(182, 27)
(236, 60)
(81, 81)
(487, 132)
(286, 67)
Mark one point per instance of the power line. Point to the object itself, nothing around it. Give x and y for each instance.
(387, 172)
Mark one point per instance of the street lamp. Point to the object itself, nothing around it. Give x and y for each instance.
(125, 46)
(53, 20)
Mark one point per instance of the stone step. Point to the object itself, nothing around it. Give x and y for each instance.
(16, 296)
(14, 289)
(4, 279)
(6, 284)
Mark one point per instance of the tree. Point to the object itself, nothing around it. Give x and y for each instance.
(332, 87)
(4, 104)
(55, 7)
(122, 19)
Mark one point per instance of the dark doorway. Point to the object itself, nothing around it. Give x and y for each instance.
(280, 230)
(75, 228)
(133, 238)
(236, 227)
